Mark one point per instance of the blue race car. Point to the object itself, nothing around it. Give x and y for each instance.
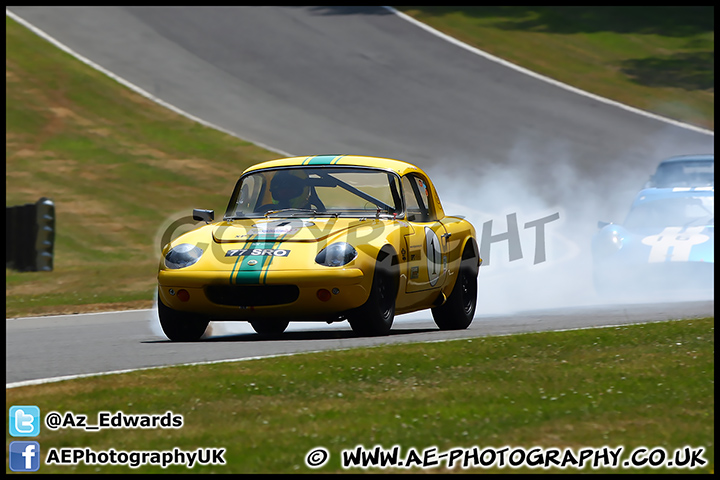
(666, 245)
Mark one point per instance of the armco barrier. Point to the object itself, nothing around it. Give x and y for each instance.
(30, 236)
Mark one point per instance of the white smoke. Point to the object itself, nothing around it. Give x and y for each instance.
(493, 199)
(489, 192)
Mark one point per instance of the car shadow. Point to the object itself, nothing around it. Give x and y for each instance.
(298, 335)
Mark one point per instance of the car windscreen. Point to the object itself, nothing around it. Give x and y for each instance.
(691, 173)
(326, 190)
(672, 212)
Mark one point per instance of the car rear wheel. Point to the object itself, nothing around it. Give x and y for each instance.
(459, 309)
(269, 327)
(376, 316)
(181, 326)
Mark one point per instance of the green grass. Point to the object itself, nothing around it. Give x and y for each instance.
(642, 385)
(120, 168)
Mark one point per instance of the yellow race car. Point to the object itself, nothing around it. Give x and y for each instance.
(326, 238)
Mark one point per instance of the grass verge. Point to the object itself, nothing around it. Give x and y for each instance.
(648, 385)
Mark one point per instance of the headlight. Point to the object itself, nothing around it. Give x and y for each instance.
(183, 256)
(336, 255)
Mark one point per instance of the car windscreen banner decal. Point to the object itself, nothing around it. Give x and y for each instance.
(323, 160)
(277, 229)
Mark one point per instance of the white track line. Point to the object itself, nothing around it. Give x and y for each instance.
(76, 315)
(41, 381)
(425, 27)
(549, 80)
(132, 86)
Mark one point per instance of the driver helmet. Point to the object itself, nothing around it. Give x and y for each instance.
(290, 189)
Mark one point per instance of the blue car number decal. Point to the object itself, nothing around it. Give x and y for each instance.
(673, 244)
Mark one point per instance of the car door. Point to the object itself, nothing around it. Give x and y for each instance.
(426, 258)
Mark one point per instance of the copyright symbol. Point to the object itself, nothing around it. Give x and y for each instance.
(53, 420)
(316, 457)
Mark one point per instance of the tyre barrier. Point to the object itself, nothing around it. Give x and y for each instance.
(30, 236)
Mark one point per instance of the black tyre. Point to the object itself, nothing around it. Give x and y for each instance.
(269, 327)
(459, 309)
(181, 326)
(376, 316)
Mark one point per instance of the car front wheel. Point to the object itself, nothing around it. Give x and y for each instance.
(376, 316)
(181, 326)
(459, 309)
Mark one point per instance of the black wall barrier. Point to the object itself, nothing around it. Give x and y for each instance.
(30, 236)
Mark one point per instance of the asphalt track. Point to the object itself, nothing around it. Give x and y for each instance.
(309, 80)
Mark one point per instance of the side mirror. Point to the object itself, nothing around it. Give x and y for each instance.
(203, 215)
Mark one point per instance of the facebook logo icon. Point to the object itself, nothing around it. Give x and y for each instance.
(24, 421)
(24, 456)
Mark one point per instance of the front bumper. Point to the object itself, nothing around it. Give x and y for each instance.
(286, 294)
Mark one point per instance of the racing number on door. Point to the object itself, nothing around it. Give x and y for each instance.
(434, 253)
(427, 251)
(427, 258)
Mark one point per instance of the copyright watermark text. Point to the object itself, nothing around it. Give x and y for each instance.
(511, 457)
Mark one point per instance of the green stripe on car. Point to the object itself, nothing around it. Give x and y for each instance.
(322, 160)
